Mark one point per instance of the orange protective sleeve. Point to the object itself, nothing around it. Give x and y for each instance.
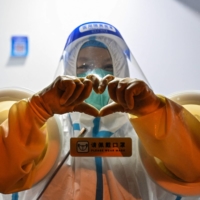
(22, 142)
(172, 134)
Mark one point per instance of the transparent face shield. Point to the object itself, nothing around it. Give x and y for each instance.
(102, 36)
(98, 48)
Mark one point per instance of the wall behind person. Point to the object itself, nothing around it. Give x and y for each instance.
(162, 35)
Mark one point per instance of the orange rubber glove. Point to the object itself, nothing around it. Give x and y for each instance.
(129, 95)
(65, 94)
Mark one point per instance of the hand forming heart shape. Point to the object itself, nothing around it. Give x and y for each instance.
(67, 94)
(99, 86)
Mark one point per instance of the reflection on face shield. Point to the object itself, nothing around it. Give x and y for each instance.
(94, 58)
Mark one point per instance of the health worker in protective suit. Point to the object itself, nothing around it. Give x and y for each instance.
(93, 91)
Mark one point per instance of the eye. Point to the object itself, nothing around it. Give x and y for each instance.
(108, 67)
(83, 68)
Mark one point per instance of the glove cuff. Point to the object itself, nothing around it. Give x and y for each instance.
(39, 108)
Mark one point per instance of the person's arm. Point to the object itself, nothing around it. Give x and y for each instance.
(22, 142)
(166, 130)
(172, 134)
(23, 133)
